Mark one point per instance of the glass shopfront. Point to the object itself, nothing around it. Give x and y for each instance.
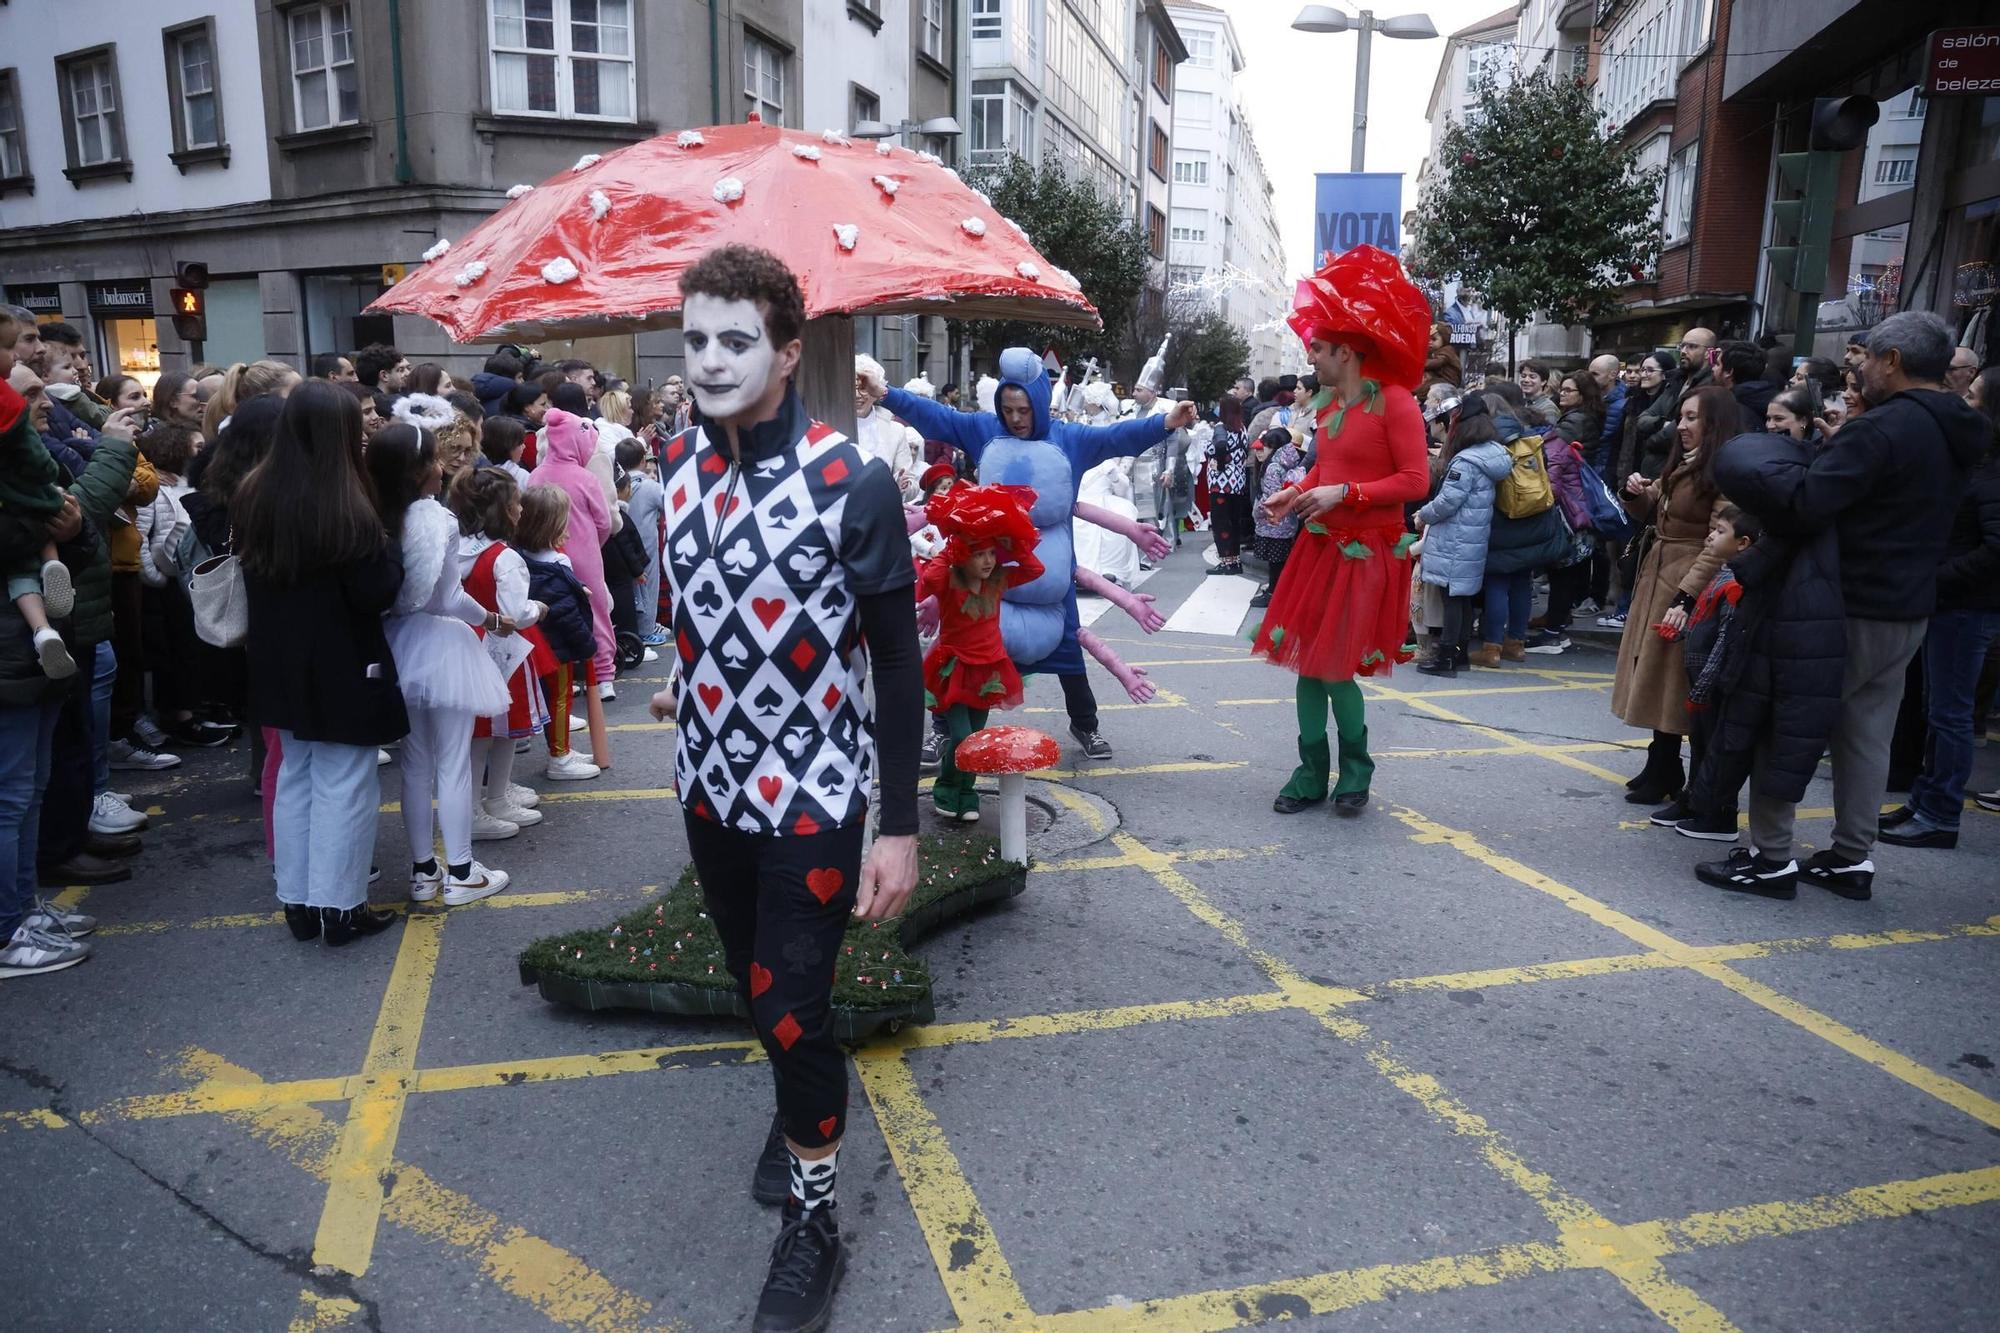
(128, 339)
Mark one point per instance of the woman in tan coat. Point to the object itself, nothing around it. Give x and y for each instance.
(1651, 686)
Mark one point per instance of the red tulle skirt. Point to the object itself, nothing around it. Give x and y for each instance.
(1342, 606)
(975, 684)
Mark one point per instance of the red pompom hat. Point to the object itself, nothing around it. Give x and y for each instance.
(1362, 297)
(973, 518)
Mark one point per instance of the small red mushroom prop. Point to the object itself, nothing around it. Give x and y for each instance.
(1009, 752)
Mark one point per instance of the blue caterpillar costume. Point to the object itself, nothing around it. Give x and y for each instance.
(1038, 620)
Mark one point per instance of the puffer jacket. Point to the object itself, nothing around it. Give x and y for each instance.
(1649, 435)
(1778, 706)
(99, 488)
(1516, 544)
(491, 390)
(1459, 519)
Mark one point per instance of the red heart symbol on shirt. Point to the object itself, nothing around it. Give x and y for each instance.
(734, 501)
(760, 979)
(768, 609)
(824, 884)
(711, 696)
(770, 789)
(828, 1125)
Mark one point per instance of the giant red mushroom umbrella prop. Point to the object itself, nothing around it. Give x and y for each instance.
(1009, 752)
(600, 248)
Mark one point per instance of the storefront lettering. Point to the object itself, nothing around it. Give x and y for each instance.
(1963, 62)
(134, 296)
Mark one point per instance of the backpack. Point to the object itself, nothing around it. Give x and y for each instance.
(1525, 491)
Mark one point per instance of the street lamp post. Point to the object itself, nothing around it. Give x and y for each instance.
(1325, 18)
(944, 127)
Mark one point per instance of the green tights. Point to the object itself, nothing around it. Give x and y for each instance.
(1342, 700)
(953, 789)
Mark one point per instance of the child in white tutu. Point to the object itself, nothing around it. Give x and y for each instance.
(488, 506)
(446, 677)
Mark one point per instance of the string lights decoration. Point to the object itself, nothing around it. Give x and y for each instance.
(664, 956)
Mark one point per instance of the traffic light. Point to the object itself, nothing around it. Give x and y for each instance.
(190, 313)
(191, 274)
(1802, 227)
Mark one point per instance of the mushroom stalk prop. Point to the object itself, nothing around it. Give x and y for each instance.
(1009, 753)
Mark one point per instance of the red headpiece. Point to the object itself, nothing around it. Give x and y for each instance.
(973, 518)
(1363, 298)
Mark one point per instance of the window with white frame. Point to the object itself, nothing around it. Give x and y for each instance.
(1201, 47)
(570, 59)
(1190, 168)
(763, 78)
(1003, 122)
(1190, 225)
(867, 106)
(13, 143)
(986, 20)
(191, 85)
(91, 100)
(932, 21)
(325, 83)
(1677, 216)
(1898, 169)
(1193, 108)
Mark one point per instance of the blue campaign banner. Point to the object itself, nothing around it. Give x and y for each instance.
(1353, 208)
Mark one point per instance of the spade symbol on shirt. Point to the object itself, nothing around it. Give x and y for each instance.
(829, 778)
(734, 651)
(684, 549)
(783, 512)
(768, 701)
(834, 601)
(706, 599)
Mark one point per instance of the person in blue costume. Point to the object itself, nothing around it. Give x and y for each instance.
(1039, 620)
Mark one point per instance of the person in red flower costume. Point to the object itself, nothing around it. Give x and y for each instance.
(1342, 606)
(989, 547)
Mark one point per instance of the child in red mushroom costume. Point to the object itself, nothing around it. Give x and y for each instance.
(989, 547)
(1342, 606)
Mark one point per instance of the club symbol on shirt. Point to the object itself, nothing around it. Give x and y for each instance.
(706, 598)
(739, 745)
(734, 651)
(807, 564)
(768, 702)
(802, 953)
(795, 741)
(717, 777)
(740, 556)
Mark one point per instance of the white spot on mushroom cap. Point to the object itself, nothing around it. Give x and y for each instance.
(835, 136)
(845, 234)
(806, 151)
(600, 204)
(587, 161)
(1029, 271)
(470, 274)
(689, 139)
(559, 270)
(882, 150)
(517, 191)
(931, 158)
(728, 190)
(438, 251)
(888, 185)
(972, 226)
(1069, 278)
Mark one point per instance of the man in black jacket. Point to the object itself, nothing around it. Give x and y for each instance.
(1740, 369)
(1887, 484)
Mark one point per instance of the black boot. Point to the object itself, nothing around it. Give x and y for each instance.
(1662, 779)
(344, 925)
(805, 1271)
(772, 1181)
(303, 920)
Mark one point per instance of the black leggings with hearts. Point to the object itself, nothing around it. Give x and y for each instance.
(781, 906)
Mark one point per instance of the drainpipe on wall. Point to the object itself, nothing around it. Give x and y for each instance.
(404, 176)
(714, 66)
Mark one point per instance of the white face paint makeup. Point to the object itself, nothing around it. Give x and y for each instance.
(730, 359)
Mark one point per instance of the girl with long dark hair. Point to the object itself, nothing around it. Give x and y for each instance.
(448, 681)
(320, 574)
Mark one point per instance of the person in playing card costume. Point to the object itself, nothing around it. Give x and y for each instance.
(791, 576)
(1342, 605)
(989, 547)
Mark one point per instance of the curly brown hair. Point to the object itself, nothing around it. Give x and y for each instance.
(483, 498)
(746, 273)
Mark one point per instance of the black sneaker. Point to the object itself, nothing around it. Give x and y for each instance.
(1667, 816)
(806, 1263)
(1709, 828)
(1261, 598)
(1746, 872)
(1094, 745)
(1836, 874)
(772, 1183)
(931, 758)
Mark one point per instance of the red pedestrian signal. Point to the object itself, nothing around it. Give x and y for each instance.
(190, 313)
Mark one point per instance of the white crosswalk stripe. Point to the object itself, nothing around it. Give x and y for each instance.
(1217, 606)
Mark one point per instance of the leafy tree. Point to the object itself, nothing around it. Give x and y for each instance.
(1535, 206)
(1078, 230)
(1207, 354)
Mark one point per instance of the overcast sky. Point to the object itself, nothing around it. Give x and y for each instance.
(1299, 88)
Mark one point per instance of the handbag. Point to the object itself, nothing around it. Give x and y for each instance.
(221, 605)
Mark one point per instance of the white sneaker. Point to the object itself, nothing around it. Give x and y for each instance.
(56, 662)
(108, 814)
(479, 882)
(424, 887)
(522, 798)
(512, 814)
(572, 768)
(125, 755)
(488, 828)
(381, 758)
(50, 919)
(149, 733)
(605, 692)
(650, 656)
(34, 951)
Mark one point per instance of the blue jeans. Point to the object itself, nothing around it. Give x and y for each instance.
(1510, 599)
(323, 822)
(101, 682)
(1954, 651)
(26, 736)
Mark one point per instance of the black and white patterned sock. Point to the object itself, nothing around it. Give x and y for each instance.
(812, 1182)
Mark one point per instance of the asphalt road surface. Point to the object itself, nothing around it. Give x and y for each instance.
(1485, 1057)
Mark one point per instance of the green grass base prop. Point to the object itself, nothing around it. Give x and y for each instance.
(666, 958)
